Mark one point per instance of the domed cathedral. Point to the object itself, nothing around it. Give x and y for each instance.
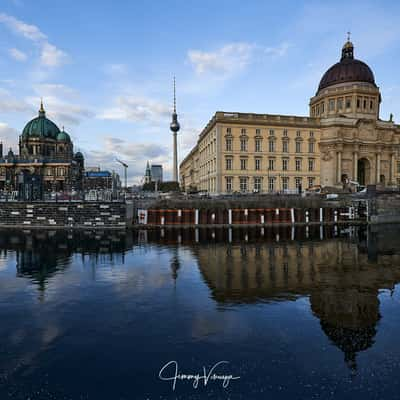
(343, 143)
(355, 144)
(46, 161)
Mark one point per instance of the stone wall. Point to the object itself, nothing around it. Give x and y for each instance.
(65, 214)
(385, 209)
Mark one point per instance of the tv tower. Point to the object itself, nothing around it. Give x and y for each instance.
(175, 129)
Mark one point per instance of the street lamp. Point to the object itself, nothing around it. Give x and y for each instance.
(125, 171)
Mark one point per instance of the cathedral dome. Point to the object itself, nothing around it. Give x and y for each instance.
(63, 136)
(41, 127)
(347, 70)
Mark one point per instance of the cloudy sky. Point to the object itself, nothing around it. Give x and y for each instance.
(104, 68)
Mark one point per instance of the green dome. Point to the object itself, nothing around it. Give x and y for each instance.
(63, 136)
(41, 127)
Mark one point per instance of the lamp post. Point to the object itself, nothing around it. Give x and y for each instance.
(125, 173)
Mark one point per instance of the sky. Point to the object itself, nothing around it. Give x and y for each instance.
(105, 68)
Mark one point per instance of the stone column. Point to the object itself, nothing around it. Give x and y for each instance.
(355, 171)
(378, 167)
(339, 166)
(392, 168)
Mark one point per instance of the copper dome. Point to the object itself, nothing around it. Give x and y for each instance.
(347, 70)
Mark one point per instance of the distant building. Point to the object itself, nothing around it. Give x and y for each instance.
(95, 179)
(153, 173)
(157, 173)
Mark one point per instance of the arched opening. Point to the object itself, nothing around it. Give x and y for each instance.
(382, 180)
(364, 170)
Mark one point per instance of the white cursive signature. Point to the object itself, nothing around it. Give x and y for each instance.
(175, 375)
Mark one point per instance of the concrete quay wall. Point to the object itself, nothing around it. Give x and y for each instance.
(385, 209)
(100, 215)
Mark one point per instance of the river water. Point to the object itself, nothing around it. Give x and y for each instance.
(305, 313)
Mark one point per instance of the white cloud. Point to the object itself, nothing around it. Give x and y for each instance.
(8, 136)
(9, 103)
(278, 51)
(63, 112)
(55, 89)
(30, 32)
(18, 55)
(232, 58)
(136, 109)
(228, 59)
(50, 55)
(133, 153)
(116, 69)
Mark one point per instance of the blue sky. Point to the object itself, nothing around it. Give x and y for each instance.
(104, 68)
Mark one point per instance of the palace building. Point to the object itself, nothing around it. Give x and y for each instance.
(342, 143)
(46, 161)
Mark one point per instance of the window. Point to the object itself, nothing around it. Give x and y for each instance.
(365, 104)
(311, 164)
(257, 163)
(348, 102)
(297, 182)
(322, 108)
(243, 144)
(298, 133)
(311, 134)
(271, 184)
(358, 103)
(228, 163)
(258, 131)
(228, 131)
(285, 146)
(243, 164)
(271, 132)
(371, 104)
(311, 182)
(271, 164)
(298, 164)
(257, 184)
(243, 184)
(229, 184)
(298, 147)
(243, 131)
(285, 183)
(331, 104)
(340, 104)
(285, 164)
(311, 147)
(258, 145)
(285, 132)
(271, 146)
(228, 144)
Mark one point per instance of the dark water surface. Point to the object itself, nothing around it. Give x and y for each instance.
(298, 314)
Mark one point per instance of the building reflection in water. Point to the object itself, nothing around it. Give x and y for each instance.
(340, 273)
(41, 254)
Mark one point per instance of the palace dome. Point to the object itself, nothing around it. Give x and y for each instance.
(347, 70)
(41, 127)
